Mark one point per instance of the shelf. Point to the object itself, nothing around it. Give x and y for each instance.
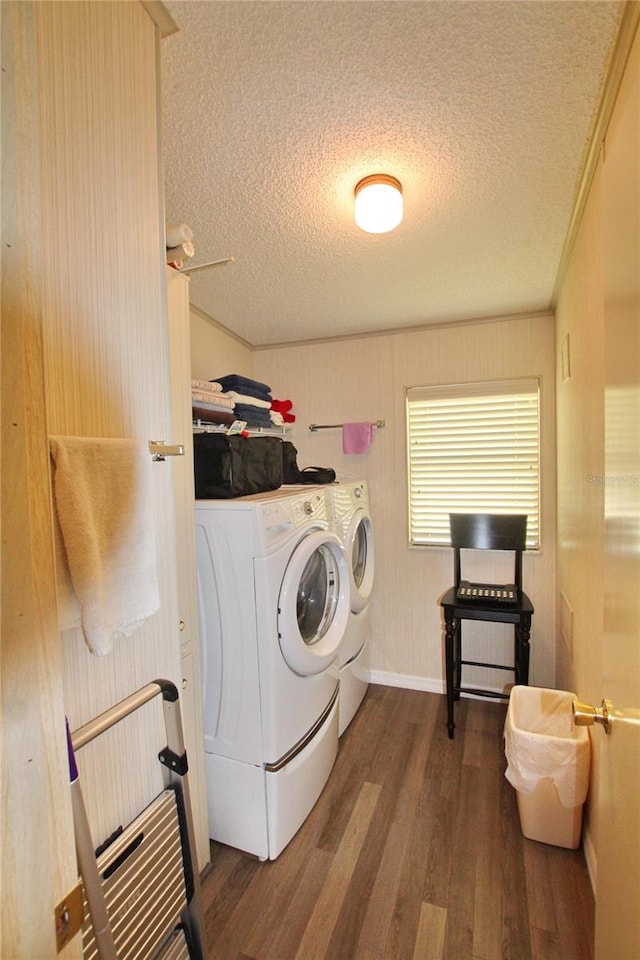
(201, 427)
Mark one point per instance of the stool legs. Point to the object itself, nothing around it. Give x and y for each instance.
(522, 635)
(450, 633)
(453, 659)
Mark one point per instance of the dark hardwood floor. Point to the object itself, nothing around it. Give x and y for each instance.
(413, 851)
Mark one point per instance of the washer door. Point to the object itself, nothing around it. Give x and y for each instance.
(359, 552)
(313, 607)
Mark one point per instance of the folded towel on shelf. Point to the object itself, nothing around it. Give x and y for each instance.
(283, 407)
(208, 413)
(254, 393)
(357, 437)
(213, 405)
(257, 424)
(248, 400)
(276, 418)
(218, 398)
(212, 412)
(103, 497)
(253, 415)
(209, 386)
(234, 381)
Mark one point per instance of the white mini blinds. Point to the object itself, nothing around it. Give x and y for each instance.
(473, 448)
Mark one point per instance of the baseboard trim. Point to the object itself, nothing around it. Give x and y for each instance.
(406, 681)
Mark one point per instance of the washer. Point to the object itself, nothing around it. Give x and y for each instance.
(352, 524)
(273, 591)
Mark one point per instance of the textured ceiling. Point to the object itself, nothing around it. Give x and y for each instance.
(273, 111)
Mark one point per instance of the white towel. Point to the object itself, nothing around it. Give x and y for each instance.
(181, 252)
(250, 401)
(103, 500)
(209, 386)
(205, 396)
(182, 233)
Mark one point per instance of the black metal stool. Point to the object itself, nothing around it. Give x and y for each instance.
(493, 602)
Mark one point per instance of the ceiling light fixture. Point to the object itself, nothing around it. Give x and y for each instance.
(378, 206)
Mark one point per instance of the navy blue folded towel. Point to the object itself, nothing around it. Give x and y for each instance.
(250, 392)
(234, 381)
(256, 415)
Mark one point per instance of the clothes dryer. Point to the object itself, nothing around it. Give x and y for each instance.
(274, 604)
(353, 526)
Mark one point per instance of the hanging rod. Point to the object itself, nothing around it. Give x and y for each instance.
(339, 426)
(211, 263)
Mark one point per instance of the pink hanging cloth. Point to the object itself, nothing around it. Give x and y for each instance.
(356, 437)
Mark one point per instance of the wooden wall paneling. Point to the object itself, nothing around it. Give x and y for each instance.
(38, 854)
(105, 349)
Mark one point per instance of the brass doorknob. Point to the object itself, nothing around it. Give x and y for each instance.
(585, 715)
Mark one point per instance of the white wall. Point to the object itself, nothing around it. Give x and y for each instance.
(365, 379)
(216, 352)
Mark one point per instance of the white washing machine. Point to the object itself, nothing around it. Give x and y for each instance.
(352, 524)
(274, 604)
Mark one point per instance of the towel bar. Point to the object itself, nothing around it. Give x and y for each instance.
(339, 426)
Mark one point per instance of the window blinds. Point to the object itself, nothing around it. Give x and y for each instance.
(473, 448)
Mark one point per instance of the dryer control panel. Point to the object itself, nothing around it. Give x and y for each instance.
(279, 518)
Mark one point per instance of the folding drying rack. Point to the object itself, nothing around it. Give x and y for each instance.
(141, 887)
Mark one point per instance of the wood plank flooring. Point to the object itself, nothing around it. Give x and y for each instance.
(413, 852)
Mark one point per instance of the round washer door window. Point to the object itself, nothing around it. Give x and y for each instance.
(359, 551)
(313, 606)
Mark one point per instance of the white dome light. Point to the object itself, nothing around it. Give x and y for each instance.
(378, 206)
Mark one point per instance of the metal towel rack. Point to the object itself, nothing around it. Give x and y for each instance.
(338, 426)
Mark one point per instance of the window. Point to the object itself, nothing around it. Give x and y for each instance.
(473, 448)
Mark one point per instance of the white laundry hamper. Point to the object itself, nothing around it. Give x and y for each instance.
(548, 761)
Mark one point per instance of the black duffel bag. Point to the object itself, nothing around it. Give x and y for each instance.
(317, 475)
(235, 466)
(291, 473)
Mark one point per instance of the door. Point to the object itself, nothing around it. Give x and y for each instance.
(313, 606)
(618, 867)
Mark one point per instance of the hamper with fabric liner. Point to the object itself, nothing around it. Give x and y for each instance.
(548, 764)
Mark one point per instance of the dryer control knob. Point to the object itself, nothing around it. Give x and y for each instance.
(358, 492)
(308, 507)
